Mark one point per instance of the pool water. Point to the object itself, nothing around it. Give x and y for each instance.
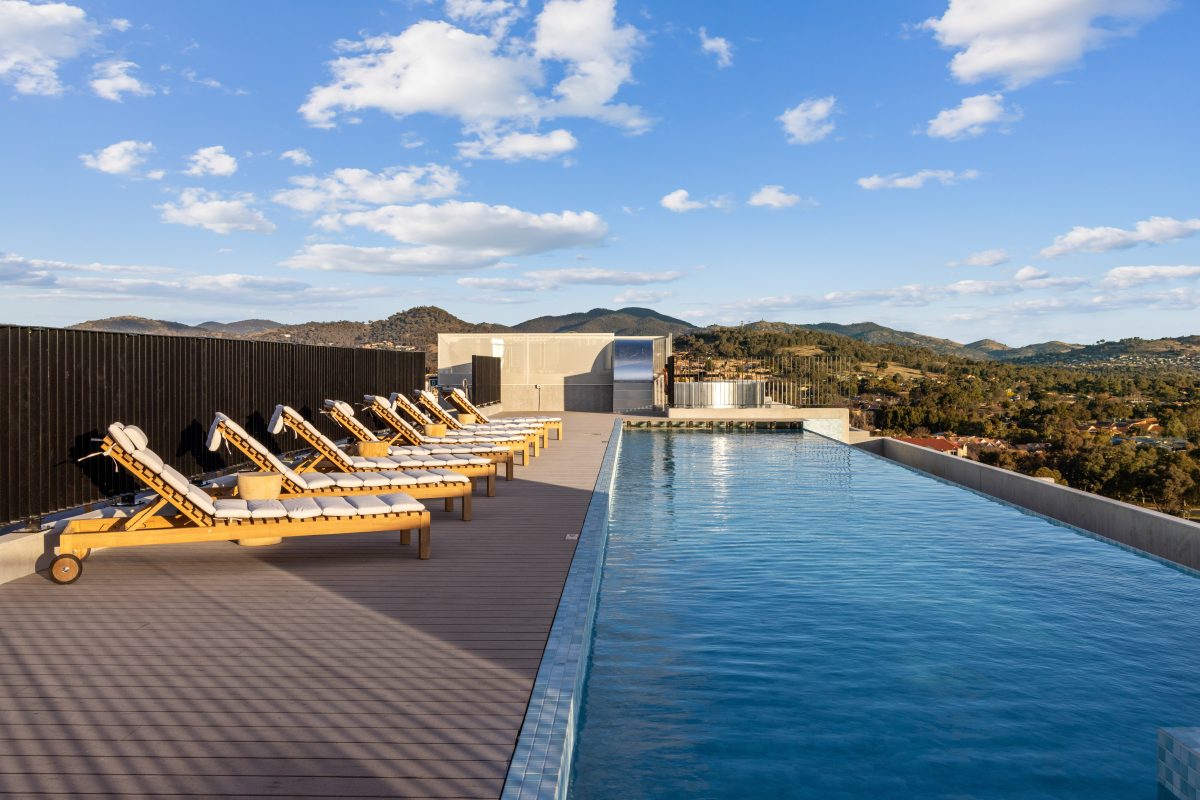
(784, 616)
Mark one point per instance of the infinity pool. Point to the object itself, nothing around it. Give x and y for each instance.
(783, 616)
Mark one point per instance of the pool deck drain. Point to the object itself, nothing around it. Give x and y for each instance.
(332, 666)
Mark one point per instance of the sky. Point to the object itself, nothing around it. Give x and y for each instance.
(1021, 170)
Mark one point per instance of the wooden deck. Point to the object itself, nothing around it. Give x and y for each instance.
(336, 666)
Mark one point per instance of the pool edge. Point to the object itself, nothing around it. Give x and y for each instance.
(541, 763)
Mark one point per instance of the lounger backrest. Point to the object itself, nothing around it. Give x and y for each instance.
(343, 412)
(467, 405)
(250, 447)
(129, 442)
(402, 403)
(291, 418)
(431, 403)
(383, 408)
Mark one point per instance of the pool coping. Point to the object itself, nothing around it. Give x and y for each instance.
(541, 763)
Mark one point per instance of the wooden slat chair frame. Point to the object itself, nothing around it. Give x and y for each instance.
(225, 430)
(458, 398)
(197, 516)
(326, 451)
(418, 417)
(385, 409)
(426, 400)
(343, 414)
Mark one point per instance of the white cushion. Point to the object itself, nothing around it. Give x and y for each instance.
(276, 424)
(266, 509)
(149, 459)
(301, 508)
(373, 479)
(379, 461)
(423, 476)
(315, 480)
(408, 462)
(201, 500)
(346, 480)
(368, 504)
(342, 406)
(232, 509)
(398, 478)
(213, 441)
(137, 436)
(335, 507)
(175, 479)
(398, 501)
(479, 462)
(450, 476)
(117, 432)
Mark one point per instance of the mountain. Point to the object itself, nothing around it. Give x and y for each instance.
(141, 325)
(989, 346)
(624, 322)
(873, 333)
(240, 328)
(1171, 352)
(419, 326)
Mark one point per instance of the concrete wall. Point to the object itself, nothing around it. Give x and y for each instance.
(831, 422)
(1167, 537)
(573, 370)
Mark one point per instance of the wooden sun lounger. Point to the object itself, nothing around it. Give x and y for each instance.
(198, 517)
(430, 405)
(385, 410)
(458, 398)
(448, 485)
(420, 483)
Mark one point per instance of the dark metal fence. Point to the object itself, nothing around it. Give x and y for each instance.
(485, 380)
(789, 380)
(62, 388)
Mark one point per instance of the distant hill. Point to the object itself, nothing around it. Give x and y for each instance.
(624, 322)
(1178, 352)
(240, 328)
(873, 333)
(141, 325)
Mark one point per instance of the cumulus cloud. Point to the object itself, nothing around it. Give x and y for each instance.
(299, 157)
(517, 146)
(1030, 273)
(680, 201)
(485, 81)
(642, 296)
(1155, 230)
(198, 208)
(971, 117)
(773, 196)
(809, 121)
(349, 188)
(211, 161)
(35, 38)
(983, 258)
(112, 79)
(717, 47)
(450, 236)
(1124, 277)
(946, 177)
(1020, 42)
(494, 15)
(122, 158)
(120, 25)
(542, 280)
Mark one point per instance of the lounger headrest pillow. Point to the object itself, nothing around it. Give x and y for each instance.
(428, 396)
(342, 406)
(213, 442)
(137, 436)
(117, 432)
(276, 423)
(459, 392)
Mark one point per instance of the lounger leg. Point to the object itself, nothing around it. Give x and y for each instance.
(509, 466)
(449, 503)
(545, 438)
(405, 537)
(466, 508)
(491, 485)
(559, 431)
(423, 548)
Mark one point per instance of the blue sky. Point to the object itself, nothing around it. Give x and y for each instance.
(1015, 169)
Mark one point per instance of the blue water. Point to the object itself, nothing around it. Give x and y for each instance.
(781, 616)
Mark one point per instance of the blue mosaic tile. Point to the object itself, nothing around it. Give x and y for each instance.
(1178, 760)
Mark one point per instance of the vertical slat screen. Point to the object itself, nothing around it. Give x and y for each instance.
(62, 388)
(485, 380)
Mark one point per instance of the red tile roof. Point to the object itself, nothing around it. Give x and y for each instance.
(941, 445)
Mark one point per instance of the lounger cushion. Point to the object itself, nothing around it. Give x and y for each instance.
(346, 480)
(450, 476)
(397, 478)
(342, 406)
(175, 479)
(423, 476)
(374, 480)
(232, 509)
(399, 501)
(412, 462)
(201, 500)
(276, 423)
(316, 480)
(368, 504)
(116, 432)
(148, 459)
(137, 436)
(301, 508)
(335, 507)
(363, 461)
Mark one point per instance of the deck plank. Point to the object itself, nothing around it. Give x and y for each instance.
(336, 666)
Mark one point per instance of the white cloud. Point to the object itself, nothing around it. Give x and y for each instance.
(450, 236)
(1124, 277)
(198, 208)
(120, 25)
(35, 38)
(641, 296)
(355, 188)
(971, 118)
(494, 15)
(1030, 273)
(517, 146)
(1155, 230)
(544, 280)
(1020, 41)
(680, 201)
(299, 157)
(718, 47)
(121, 158)
(773, 196)
(809, 121)
(211, 161)
(111, 79)
(156, 174)
(485, 82)
(983, 258)
(191, 76)
(946, 177)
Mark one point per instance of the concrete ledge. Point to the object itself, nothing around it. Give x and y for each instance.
(25, 552)
(1170, 538)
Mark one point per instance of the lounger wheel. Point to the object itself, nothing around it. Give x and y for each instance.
(66, 568)
(83, 555)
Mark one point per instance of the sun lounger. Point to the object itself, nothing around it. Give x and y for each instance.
(197, 517)
(458, 398)
(433, 409)
(420, 418)
(326, 452)
(386, 411)
(421, 483)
